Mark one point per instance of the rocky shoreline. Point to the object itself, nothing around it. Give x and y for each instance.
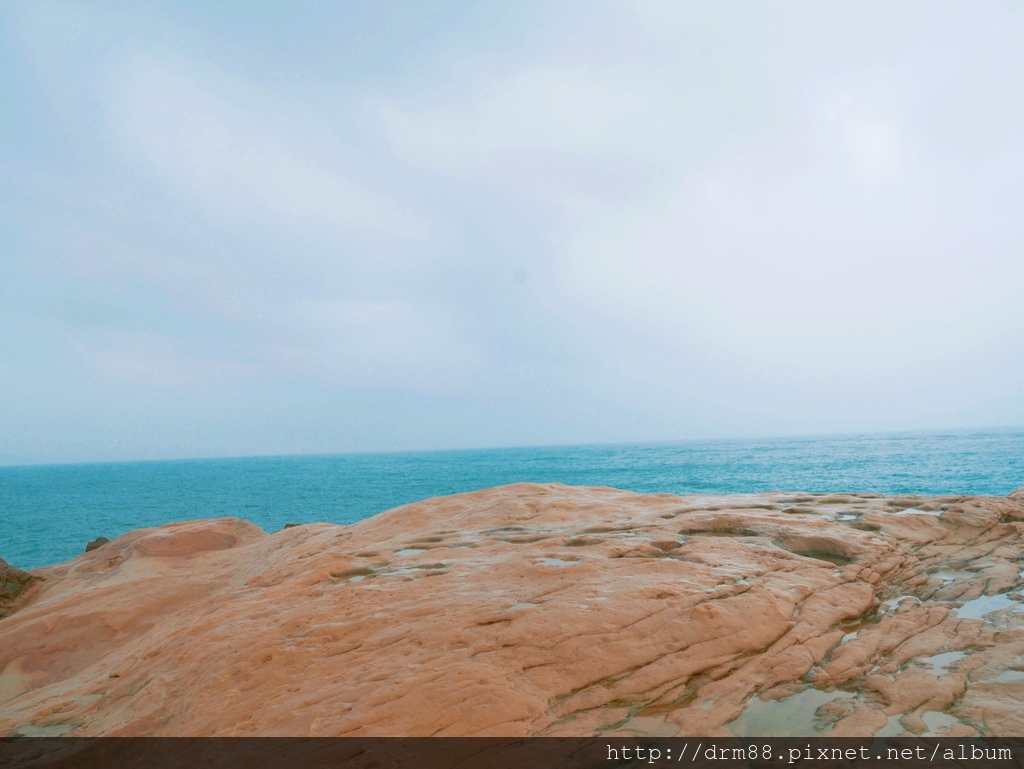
(536, 610)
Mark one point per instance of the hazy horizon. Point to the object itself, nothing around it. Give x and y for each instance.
(684, 442)
(376, 227)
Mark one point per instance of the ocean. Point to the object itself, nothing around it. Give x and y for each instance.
(48, 513)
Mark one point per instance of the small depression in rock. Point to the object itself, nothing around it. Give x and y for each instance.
(794, 716)
(901, 504)
(353, 575)
(892, 728)
(835, 499)
(720, 532)
(893, 603)
(858, 624)
(55, 730)
(848, 637)
(852, 628)
(410, 551)
(522, 605)
(403, 570)
(936, 721)
(556, 562)
(1009, 675)
(986, 604)
(941, 662)
(432, 568)
(666, 545)
(951, 575)
(822, 555)
(655, 726)
(606, 530)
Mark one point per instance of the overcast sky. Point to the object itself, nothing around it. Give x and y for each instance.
(325, 227)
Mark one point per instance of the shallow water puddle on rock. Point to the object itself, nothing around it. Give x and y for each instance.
(402, 570)
(1009, 675)
(893, 603)
(892, 728)
(655, 726)
(794, 716)
(853, 628)
(951, 575)
(986, 604)
(935, 721)
(521, 606)
(556, 562)
(423, 569)
(409, 551)
(31, 730)
(944, 660)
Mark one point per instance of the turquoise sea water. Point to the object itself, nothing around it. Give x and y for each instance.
(48, 513)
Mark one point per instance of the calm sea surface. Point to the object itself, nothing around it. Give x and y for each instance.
(48, 513)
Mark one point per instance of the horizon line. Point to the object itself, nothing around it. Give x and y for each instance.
(597, 444)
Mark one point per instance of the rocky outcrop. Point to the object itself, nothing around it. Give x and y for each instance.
(13, 585)
(98, 542)
(539, 610)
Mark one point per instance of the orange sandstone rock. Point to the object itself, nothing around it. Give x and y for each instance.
(537, 610)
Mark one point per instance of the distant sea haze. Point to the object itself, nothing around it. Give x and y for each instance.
(49, 513)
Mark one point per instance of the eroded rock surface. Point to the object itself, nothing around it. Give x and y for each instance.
(539, 610)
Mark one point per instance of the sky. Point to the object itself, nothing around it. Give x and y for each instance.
(321, 227)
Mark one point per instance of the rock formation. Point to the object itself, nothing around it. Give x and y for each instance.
(538, 610)
(13, 584)
(98, 542)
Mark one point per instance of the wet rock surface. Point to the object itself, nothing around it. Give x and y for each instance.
(539, 610)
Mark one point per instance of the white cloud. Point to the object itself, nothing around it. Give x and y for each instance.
(367, 342)
(744, 219)
(494, 119)
(157, 362)
(765, 262)
(243, 164)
